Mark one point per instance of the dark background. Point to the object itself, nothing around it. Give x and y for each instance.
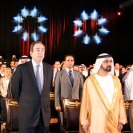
(59, 39)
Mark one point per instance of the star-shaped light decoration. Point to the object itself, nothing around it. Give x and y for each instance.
(93, 23)
(19, 19)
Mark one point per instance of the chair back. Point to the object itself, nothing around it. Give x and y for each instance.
(54, 122)
(127, 105)
(11, 114)
(131, 116)
(71, 110)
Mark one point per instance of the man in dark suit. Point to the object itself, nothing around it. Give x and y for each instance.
(33, 98)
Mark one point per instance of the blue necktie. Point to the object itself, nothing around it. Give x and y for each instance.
(71, 77)
(38, 79)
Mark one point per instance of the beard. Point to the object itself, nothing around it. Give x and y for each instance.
(106, 69)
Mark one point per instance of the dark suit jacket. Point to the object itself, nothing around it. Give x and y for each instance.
(25, 91)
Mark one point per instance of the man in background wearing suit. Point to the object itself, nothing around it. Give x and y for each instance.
(66, 87)
(33, 97)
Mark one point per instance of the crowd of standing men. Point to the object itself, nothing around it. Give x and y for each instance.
(101, 89)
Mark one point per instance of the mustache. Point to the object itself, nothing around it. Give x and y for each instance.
(108, 66)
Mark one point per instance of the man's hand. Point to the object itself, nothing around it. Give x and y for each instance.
(120, 126)
(85, 128)
(58, 108)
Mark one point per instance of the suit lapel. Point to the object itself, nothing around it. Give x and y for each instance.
(46, 78)
(75, 78)
(32, 74)
(45, 74)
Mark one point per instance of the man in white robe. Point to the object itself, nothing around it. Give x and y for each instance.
(128, 84)
(102, 106)
(128, 93)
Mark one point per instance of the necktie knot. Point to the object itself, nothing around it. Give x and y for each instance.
(70, 72)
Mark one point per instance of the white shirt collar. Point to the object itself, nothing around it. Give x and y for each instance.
(34, 64)
(69, 69)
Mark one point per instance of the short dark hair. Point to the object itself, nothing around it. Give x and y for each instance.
(69, 55)
(33, 44)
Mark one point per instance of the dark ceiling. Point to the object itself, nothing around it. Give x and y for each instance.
(121, 27)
